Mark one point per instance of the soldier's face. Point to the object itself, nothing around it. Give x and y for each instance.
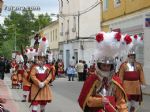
(105, 67)
(41, 61)
(131, 58)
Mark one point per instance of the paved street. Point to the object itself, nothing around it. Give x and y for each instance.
(65, 97)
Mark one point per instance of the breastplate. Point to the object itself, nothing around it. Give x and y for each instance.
(131, 67)
(106, 88)
(41, 70)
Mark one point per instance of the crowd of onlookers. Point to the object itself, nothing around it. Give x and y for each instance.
(75, 69)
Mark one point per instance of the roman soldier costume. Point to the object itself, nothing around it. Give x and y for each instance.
(60, 68)
(14, 79)
(41, 75)
(132, 76)
(103, 91)
(14, 76)
(20, 72)
(30, 53)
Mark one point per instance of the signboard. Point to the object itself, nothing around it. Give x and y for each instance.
(147, 22)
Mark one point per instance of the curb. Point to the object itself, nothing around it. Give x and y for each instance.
(147, 94)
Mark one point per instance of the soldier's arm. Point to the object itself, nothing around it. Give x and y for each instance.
(121, 103)
(142, 79)
(121, 71)
(94, 102)
(49, 77)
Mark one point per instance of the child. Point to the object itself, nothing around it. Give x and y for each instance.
(71, 72)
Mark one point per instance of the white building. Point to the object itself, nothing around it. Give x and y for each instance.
(79, 21)
(52, 34)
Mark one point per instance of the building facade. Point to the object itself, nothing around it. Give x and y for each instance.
(79, 21)
(52, 34)
(132, 17)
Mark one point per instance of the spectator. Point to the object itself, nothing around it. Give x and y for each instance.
(2, 67)
(71, 72)
(85, 70)
(80, 67)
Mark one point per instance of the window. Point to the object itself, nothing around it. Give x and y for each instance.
(53, 35)
(117, 3)
(68, 25)
(61, 4)
(74, 24)
(105, 5)
(61, 31)
(67, 32)
(56, 34)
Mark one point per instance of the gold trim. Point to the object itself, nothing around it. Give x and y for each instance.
(126, 98)
(91, 90)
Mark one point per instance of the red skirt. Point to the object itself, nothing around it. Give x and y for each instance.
(26, 88)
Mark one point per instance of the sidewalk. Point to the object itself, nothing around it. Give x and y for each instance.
(13, 96)
(146, 90)
(5, 93)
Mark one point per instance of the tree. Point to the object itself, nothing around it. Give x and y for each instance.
(19, 26)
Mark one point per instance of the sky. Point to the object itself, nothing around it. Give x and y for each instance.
(49, 6)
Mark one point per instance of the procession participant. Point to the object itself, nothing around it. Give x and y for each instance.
(91, 70)
(103, 91)
(132, 76)
(14, 80)
(13, 64)
(20, 68)
(26, 80)
(30, 53)
(40, 93)
(14, 76)
(60, 68)
(20, 72)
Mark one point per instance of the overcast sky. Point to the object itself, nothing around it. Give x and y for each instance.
(49, 6)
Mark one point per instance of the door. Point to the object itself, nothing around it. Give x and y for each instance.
(67, 58)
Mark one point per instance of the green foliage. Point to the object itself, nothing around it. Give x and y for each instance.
(20, 25)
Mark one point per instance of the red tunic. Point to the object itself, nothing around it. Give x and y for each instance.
(87, 94)
(60, 68)
(133, 76)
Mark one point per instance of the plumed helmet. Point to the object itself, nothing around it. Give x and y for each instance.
(43, 45)
(137, 41)
(19, 58)
(30, 53)
(108, 47)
